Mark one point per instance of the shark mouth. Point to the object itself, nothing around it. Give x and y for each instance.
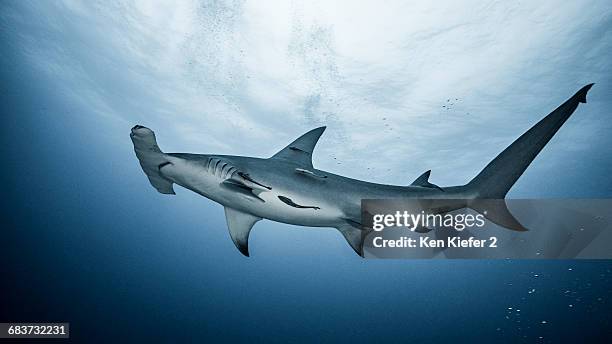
(288, 201)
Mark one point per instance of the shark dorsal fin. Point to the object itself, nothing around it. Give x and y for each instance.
(300, 150)
(423, 181)
(239, 225)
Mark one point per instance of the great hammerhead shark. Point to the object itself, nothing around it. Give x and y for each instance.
(287, 188)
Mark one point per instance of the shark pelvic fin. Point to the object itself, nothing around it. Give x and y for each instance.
(239, 225)
(300, 150)
(354, 235)
(423, 181)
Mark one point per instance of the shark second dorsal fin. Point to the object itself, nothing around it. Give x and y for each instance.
(300, 150)
(423, 181)
(239, 225)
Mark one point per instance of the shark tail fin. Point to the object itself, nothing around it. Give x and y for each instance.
(492, 184)
(151, 158)
(496, 179)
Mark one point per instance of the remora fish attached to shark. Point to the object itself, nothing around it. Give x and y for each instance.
(287, 188)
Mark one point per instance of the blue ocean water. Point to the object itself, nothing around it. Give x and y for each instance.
(86, 240)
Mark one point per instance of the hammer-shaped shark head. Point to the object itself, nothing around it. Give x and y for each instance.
(144, 139)
(142, 135)
(150, 157)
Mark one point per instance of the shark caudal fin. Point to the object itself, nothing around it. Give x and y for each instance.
(151, 158)
(496, 179)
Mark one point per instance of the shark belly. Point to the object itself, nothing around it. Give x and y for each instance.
(264, 203)
(302, 210)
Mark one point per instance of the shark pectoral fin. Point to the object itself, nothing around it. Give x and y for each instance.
(238, 187)
(239, 225)
(250, 182)
(354, 236)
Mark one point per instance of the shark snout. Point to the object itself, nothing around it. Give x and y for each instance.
(138, 127)
(143, 139)
(142, 135)
(140, 130)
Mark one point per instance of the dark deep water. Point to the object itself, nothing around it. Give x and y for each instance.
(85, 240)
